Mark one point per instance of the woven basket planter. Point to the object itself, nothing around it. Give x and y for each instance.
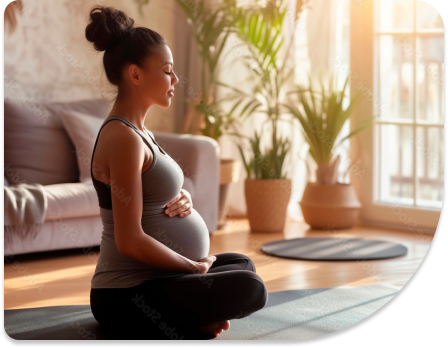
(267, 201)
(330, 206)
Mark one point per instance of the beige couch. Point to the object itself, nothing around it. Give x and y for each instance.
(39, 150)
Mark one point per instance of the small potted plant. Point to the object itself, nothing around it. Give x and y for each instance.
(326, 203)
(267, 189)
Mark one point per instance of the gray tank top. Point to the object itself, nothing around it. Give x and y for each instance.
(188, 236)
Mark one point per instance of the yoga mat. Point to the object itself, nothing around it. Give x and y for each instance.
(334, 249)
(288, 315)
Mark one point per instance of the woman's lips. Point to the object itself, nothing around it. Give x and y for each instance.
(171, 93)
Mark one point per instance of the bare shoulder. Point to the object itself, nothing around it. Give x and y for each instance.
(118, 134)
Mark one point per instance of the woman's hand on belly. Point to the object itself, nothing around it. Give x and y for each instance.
(181, 205)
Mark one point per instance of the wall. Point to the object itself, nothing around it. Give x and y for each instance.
(48, 58)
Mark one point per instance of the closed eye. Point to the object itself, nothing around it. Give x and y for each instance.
(169, 73)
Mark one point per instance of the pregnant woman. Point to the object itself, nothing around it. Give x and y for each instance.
(154, 278)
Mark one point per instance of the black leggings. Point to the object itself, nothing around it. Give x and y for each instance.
(173, 308)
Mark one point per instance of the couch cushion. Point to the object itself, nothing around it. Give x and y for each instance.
(82, 130)
(37, 148)
(71, 200)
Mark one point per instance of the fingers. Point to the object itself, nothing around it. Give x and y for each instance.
(182, 207)
(185, 213)
(174, 206)
(178, 197)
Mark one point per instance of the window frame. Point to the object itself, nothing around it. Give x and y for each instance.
(364, 55)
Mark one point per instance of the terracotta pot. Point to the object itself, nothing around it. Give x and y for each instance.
(330, 206)
(267, 200)
(229, 173)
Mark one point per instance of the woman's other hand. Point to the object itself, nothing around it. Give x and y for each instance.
(206, 263)
(181, 205)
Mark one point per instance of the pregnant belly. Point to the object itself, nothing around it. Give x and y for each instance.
(188, 236)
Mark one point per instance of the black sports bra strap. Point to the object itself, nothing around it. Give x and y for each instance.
(130, 124)
(155, 142)
(138, 131)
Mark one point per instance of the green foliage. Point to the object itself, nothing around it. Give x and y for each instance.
(322, 117)
(217, 120)
(260, 30)
(268, 165)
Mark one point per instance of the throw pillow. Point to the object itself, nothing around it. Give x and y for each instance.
(82, 129)
(37, 148)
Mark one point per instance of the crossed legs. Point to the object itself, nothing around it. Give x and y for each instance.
(174, 308)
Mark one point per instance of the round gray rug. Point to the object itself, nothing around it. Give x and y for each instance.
(334, 249)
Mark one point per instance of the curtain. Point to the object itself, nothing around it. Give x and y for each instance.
(316, 44)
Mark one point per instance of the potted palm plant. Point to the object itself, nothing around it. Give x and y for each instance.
(267, 189)
(326, 203)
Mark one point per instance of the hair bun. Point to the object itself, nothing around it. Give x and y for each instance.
(107, 25)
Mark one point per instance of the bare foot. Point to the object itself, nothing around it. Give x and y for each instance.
(215, 328)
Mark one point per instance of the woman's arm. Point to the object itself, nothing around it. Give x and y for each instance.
(125, 158)
(148, 250)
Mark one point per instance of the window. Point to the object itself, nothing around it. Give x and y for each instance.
(409, 84)
(397, 57)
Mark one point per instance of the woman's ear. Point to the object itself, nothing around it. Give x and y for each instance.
(134, 73)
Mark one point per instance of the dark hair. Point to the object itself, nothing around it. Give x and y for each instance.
(112, 31)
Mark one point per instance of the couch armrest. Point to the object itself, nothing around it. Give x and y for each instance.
(199, 158)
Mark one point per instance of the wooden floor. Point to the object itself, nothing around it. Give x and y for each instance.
(63, 277)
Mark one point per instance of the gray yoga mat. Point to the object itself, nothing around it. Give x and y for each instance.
(334, 249)
(288, 315)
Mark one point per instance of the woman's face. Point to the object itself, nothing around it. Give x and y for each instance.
(159, 78)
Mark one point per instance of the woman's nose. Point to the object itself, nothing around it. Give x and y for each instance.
(176, 79)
